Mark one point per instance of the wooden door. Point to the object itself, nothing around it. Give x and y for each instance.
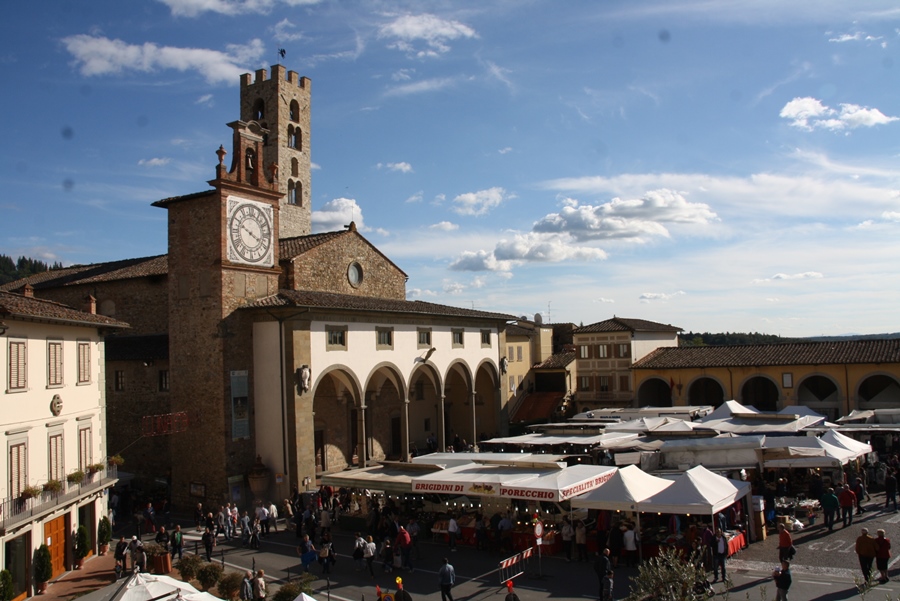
(56, 539)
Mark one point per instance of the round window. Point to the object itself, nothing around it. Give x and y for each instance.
(355, 274)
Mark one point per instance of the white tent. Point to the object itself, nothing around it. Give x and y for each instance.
(833, 437)
(697, 491)
(144, 587)
(623, 491)
(803, 451)
(726, 410)
(304, 597)
(560, 485)
(394, 477)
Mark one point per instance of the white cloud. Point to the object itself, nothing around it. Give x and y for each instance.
(337, 213)
(604, 300)
(444, 226)
(499, 73)
(809, 114)
(424, 36)
(284, 31)
(634, 218)
(205, 99)
(526, 248)
(417, 197)
(403, 74)
(155, 162)
(414, 293)
(192, 8)
(315, 166)
(402, 167)
(806, 275)
(648, 297)
(454, 288)
(421, 87)
(480, 202)
(506, 150)
(97, 55)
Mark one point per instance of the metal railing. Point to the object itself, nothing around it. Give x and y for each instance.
(15, 511)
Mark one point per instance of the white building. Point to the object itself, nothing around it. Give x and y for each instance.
(52, 423)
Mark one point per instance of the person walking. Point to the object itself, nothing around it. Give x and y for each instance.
(783, 581)
(209, 541)
(259, 585)
(121, 556)
(630, 542)
(307, 552)
(606, 589)
(720, 553)
(785, 543)
(452, 532)
(176, 542)
(847, 500)
(830, 507)
(247, 586)
(446, 578)
(882, 555)
(866, 549)
(404, 543)
(859, 489)
(890, 490)
(369, 554)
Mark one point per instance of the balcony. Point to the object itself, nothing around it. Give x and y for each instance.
(17, 511)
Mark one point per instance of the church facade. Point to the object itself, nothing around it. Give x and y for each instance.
(262, 355)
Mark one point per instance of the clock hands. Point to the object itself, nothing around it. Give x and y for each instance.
(252, 235)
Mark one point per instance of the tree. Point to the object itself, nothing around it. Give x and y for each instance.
(188, 566)
(229, 586)
(104, 531)
(208, 576)
(43, 564)
(6, 586)
(292, 590)
(82, 542)
(671, 576)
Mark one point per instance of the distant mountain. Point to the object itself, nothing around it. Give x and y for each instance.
(736, 338)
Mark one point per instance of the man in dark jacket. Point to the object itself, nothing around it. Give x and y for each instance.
(121, 555)
(830, 507)
(601, 566)
(890, 489)
(783, 581)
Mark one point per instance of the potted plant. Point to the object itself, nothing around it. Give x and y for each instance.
(82, 546)
(188, 566)
(229, 586)
(104, 534)
(116, 460)
(158, 558)
(53, 486)
(7, 590)
(76, 477)
(30, 492)
(208, 576)
(43, 568)
(96, 467)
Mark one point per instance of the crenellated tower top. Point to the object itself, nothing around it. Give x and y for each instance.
(281, 106)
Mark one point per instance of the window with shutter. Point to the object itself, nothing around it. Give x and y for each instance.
(17, 365)
(84, 362)
(57, 467)
(85, 456)
(18, 474)
(54, 364)
(518, 353)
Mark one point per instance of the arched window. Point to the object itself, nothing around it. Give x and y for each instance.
(250, 158)
(259, 110)
(295, 167)
(292, 136)
(292, 193)
(295, 111)
(298, 139)
(298, 193)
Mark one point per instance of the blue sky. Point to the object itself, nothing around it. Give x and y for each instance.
(719, 166)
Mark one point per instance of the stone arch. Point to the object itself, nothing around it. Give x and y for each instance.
(292, 192)
(386, 394)
(458, 389)
(760, 391)
(294, 112)
(820, 393)
(654, 392)
(425, 387)
(706, 390)
(259, 110)
(295, 167)
(878, 391)
(336, 394)
(487, 400)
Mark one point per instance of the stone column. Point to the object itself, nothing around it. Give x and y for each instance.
(404, 426)
(442, 428)
(474, 439)
(363, 450)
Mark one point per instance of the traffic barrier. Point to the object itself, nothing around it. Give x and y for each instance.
(515, 565)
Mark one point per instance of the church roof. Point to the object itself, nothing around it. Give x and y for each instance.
(329, 300)
(17, 306)
(623, 324)
(290, 248)
(96, 272)
(792, 353)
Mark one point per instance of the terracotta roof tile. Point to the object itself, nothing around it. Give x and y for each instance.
(16, 306)
(97, 272)
(291, 247)
(792, 353)
(328, 300)
(623, 324)
(165, 202)
(557, 361)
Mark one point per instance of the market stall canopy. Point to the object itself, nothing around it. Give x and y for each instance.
(393, 476)
(696, 491)
(803, 451)
(584, 441)
(645, 425)
(627, 487)
(141, 586)
(727, 409)
(514, 481)
(454, 459)
(837, 439)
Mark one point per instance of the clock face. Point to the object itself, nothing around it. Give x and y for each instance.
(250, 232)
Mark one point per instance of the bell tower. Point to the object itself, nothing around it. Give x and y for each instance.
(281, 105)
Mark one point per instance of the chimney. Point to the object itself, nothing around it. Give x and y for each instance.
(28, 290)
(90, 304)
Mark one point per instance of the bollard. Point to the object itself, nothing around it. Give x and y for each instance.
(254, 565)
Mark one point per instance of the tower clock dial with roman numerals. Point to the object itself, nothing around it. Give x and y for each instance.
(250, 232)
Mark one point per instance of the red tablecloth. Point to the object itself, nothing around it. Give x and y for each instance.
(736, 543)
